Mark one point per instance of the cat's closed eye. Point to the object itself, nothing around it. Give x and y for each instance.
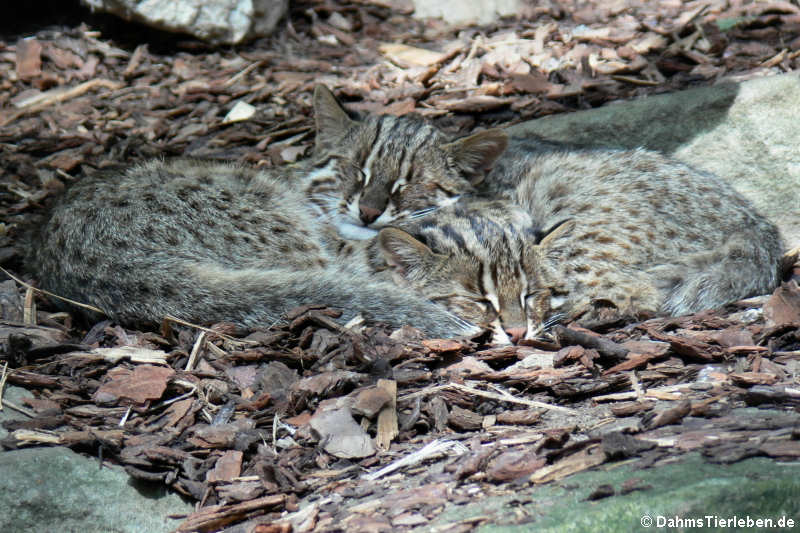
(478, 310)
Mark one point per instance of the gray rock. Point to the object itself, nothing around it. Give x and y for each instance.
(460, 12)
(13, 395)
(216, 21)
(747, 133)
(55, 489)
(686, 487)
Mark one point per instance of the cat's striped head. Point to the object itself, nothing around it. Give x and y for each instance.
(485, 262)
(408, 166)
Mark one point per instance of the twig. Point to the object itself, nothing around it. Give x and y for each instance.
(125, 417)
(3, 378)
(198, 344)
(509, 398)
(20, 409)
(636, 385)
(494, 396)
(29, 310)
(634, 81)
(52, 295)
(608, 348)
(239, 75)
(56, 96)
(234, 340)
(432, 448)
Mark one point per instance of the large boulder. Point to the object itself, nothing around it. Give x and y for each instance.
(215, 21)
(747, 133)
(462, 12)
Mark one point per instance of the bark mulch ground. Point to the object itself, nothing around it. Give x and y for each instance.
(377, 429)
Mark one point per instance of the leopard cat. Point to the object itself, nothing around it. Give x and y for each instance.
(208, 242)
(469, 257)
(610, 234)
(409, 167)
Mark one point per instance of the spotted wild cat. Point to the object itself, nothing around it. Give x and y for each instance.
(610, 233)
(408, 165)
(208, 242)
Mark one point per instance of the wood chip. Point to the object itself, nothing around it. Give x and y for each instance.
(410, 56)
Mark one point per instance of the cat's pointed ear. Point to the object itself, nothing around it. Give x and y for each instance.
(404, 254)
(330, 118)
(550, 237)
(476, 154)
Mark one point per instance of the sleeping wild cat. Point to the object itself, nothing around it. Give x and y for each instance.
(207, 241)
(589, 235)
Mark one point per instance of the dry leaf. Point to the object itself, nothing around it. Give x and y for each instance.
(340, 435)
(783, 307)
(410, 56)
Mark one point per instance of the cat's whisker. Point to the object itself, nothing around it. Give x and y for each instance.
(542, 330)
(423, 212)
(553, 320)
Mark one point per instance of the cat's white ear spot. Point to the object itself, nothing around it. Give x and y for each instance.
(557, 302)
(477, 153)
(450, 200)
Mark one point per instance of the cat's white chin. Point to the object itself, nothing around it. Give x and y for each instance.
(354, 232)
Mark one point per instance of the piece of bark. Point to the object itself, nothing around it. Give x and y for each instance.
(369, 402)
(624, 409)
(783, 307)
(439, 413)
(514, 464)
(687, 347)
(476, 461)
(635, 360)
(29, 59)
(227, 467)
(215, 517)
(145, 382)
(522, 417)
(464, 419)
(618, 445)
(387, 418)
(668, 416)
(748, 379)
(587, 458)
(605, 347)
(10, 302)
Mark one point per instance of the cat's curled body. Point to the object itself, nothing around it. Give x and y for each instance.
(646, 232)
(207, 242)
(609, 234)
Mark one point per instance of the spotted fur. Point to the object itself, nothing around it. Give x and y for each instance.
(209, 242)
(592, 236)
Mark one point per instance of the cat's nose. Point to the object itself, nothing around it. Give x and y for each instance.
(516, 334)
(368, 214)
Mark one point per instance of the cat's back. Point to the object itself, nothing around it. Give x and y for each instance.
(637, 197)
(202, 208)
(125, 228)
